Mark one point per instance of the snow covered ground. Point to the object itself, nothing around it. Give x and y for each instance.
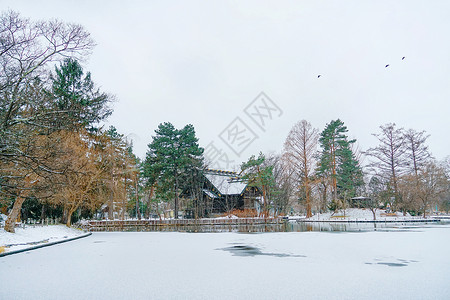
(413, 263)
(359, 215)
(31, 236)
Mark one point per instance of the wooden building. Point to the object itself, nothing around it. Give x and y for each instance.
(224, 191)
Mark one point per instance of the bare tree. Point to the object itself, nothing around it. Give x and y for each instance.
(408, 187)
(416, 158)
(300, 149)
(433, 182)
(416, 150)
(284, 186)
(376, 190)
(26, 49)
(444, 198)
(388, 158)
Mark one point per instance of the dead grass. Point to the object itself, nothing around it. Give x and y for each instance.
(338, 217)
(242, 213)
(389, 214)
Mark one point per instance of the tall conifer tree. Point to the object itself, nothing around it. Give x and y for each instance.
(171, 156)
(338, 163)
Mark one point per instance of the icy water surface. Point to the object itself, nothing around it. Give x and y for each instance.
(246, 250)
(356, 227)
(294, 226)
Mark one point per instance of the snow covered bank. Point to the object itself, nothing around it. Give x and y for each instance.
(361, 215)
(32, 236)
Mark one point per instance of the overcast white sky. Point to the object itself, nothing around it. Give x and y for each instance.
(203, 62)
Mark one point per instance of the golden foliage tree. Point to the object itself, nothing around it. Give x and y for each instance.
(82, 182)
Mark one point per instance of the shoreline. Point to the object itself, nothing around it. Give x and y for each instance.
(368, 221)
(6, 253)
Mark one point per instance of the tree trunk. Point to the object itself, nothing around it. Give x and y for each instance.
(64, 216)
(425, 209)
(176, 197)
(124, 199)
(308, 200)
(42, 214)
(12, 217)
(148, 202)
(70, 213)
(69, 220)
(324, 198)
(138, 211)
(111, 199)
(265, 212)
(333, 169)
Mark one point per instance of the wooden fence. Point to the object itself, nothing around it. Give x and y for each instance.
(174, 224)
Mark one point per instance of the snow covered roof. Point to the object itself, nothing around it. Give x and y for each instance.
(210, 194)
(227, 183)
(360, 198)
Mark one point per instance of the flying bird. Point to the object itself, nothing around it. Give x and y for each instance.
(386, 66)
(318, 76)
(403, 58)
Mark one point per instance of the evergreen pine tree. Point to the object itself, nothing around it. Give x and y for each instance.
(172, 156)
(261, 176)
(338, 164)
(349, 173)
(74, 93)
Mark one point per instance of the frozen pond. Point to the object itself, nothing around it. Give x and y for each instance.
(358, 227)
(403, 263)
(291, 226)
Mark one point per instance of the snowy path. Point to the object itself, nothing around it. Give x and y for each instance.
(412, 264)
(33, 236)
